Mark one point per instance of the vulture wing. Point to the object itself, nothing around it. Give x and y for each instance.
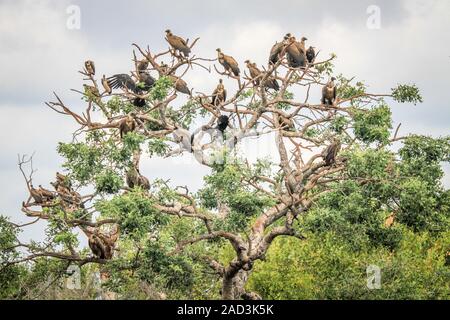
(122, 81)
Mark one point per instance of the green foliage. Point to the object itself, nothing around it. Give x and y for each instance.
(158, 146)
(374, 124)
(161, 88)
(135, 211)
(407, 93)
(325, 267)
(348, 91)
(108, 182)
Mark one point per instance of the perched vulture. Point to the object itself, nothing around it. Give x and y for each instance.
(90, 67)
(126, 125)
(286, 124)
(255, 73)
(389, 220)
(296, 59)
(277, 49)
(301, 46)
(228, 62)
(139, 102)
(180, 85)
(91, 90)
(331, 152)
(47, 194)
(36, 195)
(63, 180)
(329, 93)
(311, 55)
(122, 81)
(97, 245)
(105, 85)
(147, 80)
(220, 94)
(134, 178)
(272, 83)
(222, 123)
(142, 65)
(178, 43)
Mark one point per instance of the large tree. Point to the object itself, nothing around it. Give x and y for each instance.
(338, 166)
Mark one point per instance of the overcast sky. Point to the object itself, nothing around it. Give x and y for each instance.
(39, 55)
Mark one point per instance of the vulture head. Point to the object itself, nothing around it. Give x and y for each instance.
(168, 32)
(304, 39)
(287, 36)
(333, 79)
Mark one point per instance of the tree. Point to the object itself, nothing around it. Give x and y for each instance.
(335, 170)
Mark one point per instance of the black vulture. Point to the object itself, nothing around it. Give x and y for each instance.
(178, 43)
(228, 62)
(311, 55)
(222, 123)
(123, 81)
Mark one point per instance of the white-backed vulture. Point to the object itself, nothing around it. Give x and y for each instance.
(220, 94)
(178, 43)
(329, 92)
(331, 152)
(228, 62)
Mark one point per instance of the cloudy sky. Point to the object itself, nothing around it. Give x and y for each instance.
(39, 54)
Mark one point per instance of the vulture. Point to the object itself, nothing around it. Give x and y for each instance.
(331, 152)
(296, 58)
(134, 178)
(222, 123)
(178, 43)
(277, 49)
(90, 67)
(122, 81)
(270, 82)
(180, 85)
(311, 55)
(220, 94)
(255, 73)
(228, 62)
(98, 247)
(127, 125)
(47, 194)
(147, 80)
(91, 90)
(301, 46)
(142, 65)
(139, 102)
(63, 180)
(286, 124)
(329, 93)
(36, 195)
(105, 85)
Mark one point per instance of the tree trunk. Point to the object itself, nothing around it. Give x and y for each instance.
(233, 286)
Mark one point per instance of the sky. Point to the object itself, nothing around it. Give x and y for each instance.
(41, 52)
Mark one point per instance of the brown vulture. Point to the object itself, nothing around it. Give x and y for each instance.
(255, 73)
(296, 59)
(329, 92)
(272, 83)
(127, 125)
(63, 180)
(331, 152)
(142, 65)
(46, 194)
(98, 247)
(228, 62)
(311, 55)
(178, 43)
(36, 195)
(220, 94)
(180, 85)
(286, 124)
(277, 49)
(146, 80)
(301, 46)
(123, 81)
(222, 123)
(105, 85)
(134, 178)
(90, 67)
